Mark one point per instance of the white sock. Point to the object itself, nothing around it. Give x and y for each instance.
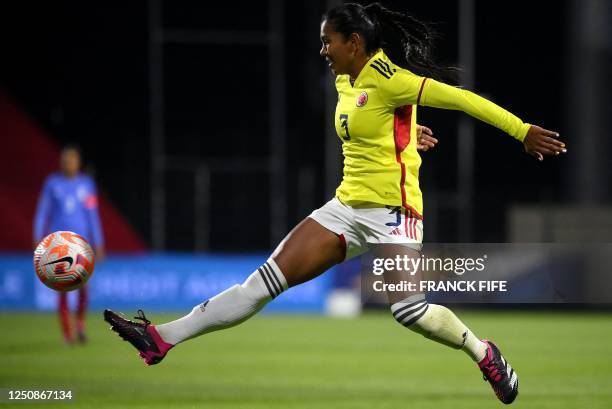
(439, 324)
(229, 308)
(474, 347)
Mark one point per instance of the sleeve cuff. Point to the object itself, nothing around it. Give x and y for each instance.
(522, 132)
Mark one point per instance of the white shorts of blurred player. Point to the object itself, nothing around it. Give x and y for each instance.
(360, 228)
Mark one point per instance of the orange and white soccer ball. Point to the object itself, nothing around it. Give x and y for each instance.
(64, 261)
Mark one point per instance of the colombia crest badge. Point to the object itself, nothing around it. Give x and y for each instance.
(362, 99)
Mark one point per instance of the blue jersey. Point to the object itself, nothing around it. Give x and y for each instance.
(69, 204)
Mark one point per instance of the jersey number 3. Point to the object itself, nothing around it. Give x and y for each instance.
(344, 124)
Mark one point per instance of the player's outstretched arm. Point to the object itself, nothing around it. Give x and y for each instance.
(540, 142)
(425, 138)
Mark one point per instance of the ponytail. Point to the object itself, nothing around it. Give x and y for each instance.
(407, 41)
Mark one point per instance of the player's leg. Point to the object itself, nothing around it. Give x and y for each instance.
(64, 317)
(394, 233)
(307, 251)
(81, 313)
(412, 310)
(440, 324)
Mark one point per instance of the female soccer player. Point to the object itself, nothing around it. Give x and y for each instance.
(376, 122)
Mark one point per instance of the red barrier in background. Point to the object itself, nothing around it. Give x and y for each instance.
(28, 155)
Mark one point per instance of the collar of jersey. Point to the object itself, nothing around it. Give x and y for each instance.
(378, 54)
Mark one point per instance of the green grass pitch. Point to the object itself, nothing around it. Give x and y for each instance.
(564, 360)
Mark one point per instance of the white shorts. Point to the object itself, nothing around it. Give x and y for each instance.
(361, 227)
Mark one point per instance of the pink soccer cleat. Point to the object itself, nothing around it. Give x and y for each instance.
(143, 336)
(499, 373)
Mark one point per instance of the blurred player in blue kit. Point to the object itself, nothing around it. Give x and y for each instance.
(69, 201)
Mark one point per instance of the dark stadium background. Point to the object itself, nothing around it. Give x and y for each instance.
(81, 71)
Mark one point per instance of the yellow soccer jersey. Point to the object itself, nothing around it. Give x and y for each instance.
(376, 122)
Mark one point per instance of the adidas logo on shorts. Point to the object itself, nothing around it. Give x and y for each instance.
(396, 232)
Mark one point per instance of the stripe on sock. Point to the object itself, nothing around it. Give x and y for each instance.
(269, 268)
(409, 313)
(412, 310)
(407, 306)
(415, 318)
(271, 280)
(265, 280)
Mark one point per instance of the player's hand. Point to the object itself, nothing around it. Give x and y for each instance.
(540, 142)
(425, 139)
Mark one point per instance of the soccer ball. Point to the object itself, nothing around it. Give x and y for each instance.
(64, 261)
